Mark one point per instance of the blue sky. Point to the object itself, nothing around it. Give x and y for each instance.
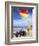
(17, 19)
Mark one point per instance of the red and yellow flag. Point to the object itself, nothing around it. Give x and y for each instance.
(24, 13)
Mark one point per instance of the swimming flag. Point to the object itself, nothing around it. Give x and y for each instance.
(24, 13)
